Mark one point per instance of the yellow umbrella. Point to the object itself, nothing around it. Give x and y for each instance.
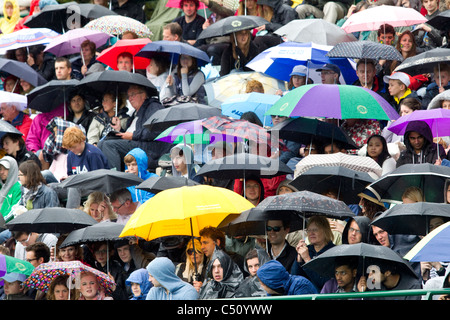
(184, 211)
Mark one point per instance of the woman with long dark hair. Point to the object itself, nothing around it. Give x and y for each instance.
(378, 150)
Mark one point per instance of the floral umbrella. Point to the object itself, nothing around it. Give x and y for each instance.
(117, 25)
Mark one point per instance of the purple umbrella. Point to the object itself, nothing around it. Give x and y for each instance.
(70, 42)
(437, 119)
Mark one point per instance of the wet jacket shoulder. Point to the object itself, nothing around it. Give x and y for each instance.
(282, 14)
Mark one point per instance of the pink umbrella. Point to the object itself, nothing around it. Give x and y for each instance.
(70, 42)
(176, 4)
(373, 18)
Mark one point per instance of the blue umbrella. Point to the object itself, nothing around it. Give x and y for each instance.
(278, 61)
(257, 102)
(173, 49)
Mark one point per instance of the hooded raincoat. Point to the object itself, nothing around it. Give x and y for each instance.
(282, 13)
(171, 286)
(189, 160)
(7, 24)
(142, 163)
(251, 286)
(140, 276)
(10, 192)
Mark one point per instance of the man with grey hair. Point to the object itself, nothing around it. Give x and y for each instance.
(13, 113)
(123, 205)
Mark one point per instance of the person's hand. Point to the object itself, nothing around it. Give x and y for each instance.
(336, 226)
(169, 80)
(184, 70)
(351, 10)
(30, 60)
(279, 92)
(115, 123)
(302, 250)
(113, 287)
(362, 284)
(261, 28)
(125, 135)
(424, 27)
(206, 24)
(84, 69)
(197, 285)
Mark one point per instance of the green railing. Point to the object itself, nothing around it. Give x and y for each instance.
(391, 294)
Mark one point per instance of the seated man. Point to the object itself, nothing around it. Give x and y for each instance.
(190, 22)
(330, 74)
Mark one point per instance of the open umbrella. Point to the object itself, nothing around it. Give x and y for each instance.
(183, 112)
(18, 99)
(411, 218)
(424, 62)
(104, 231)
(6, 127)
(308, 130)
(278, 61)
(242, 165)
(43, 275)
(10, 264)
(318, 31)
(347, 182)
(55, 17)
(232, 24)
(364, 164)
(25, 38)
(432, 246)
(365, 49)
(219, 89)
(428, 177)
(334, 101)
(21, 70)
(104, 180)
(116, 25)
(255, 102)
(440, 21)
(373, 18)
(158, 184)
(109, 55)
(70, 42)
(366, 254)
(51, 220)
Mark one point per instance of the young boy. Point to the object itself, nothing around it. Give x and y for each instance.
(14, 288)
(139, 283)
(399, 88)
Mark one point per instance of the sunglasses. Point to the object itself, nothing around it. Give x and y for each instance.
(275, 229)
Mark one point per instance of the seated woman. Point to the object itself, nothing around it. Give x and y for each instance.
(91, 289)
(114, 117)
(186, 82)
(58, 289)
(87, 62)
(183, 164)
(99, 207)
(377, 149)
(79, 112)
(15, 147)
(241, 51)
(158, 71)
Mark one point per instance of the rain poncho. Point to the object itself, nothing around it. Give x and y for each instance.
(142, 163)
(10, 192)
(7, 24)
(232, 278)
(189, 160)
(140, 276)
(172, 287)
(364, 226)
(251, 286)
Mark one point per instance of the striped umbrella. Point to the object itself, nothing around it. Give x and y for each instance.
(117, 25)
(25, 38)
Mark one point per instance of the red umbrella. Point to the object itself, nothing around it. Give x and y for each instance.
(109, 56)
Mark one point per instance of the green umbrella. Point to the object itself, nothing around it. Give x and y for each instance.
(10, 264)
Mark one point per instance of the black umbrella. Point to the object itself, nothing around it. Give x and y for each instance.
(6, 127)
(428, 177)
(307, 130)
(440, 21)
(49, 96)
(366, 254)
(104, 180)
(411, 218)
(364, 50)
(103, 231)
(232, 24)
(346, 182)
(424, 62)
(165, 118)
(51, 220)
(158, 184)
(253, 222)
(21, 70)
(242, 165)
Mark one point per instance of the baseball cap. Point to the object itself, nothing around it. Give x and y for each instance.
(5, 163)
(403, 77)
(299, 71)
(13, 276)
(330, 67)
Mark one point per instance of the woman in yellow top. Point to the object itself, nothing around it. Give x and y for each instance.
(11, 15)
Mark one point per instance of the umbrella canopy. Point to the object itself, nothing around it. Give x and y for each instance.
(116, 25)
(219, 89)
(307, 130)
(366, 254)
(424, 62)
(70, 42)
(243, 129)
(437, 119)
(373, 18)
(346, 182)
(253, 222)
(314, 30)
(230, 25)
(440, 21)
(183, 112)
(6, 127)
(430, 248)
(365, 49)
(255, 102)
(104, 231)
(25, 38)
(334, 101)
(184, 211)
(49, 96)
(104, 180)
(18, 99)
(364, 164)
(10, 264)
(109, 56)
(278, 61)
(174, 49)
(428, 177)
(51, 220)
(43, 275)
(158, 184)
(21, 70)
(411, 218)
(243, 165)
(307, 204)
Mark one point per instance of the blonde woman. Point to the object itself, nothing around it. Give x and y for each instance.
(99, 207)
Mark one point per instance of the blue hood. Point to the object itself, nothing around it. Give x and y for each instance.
(273, 274)
(140, 276)
(142, 163)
